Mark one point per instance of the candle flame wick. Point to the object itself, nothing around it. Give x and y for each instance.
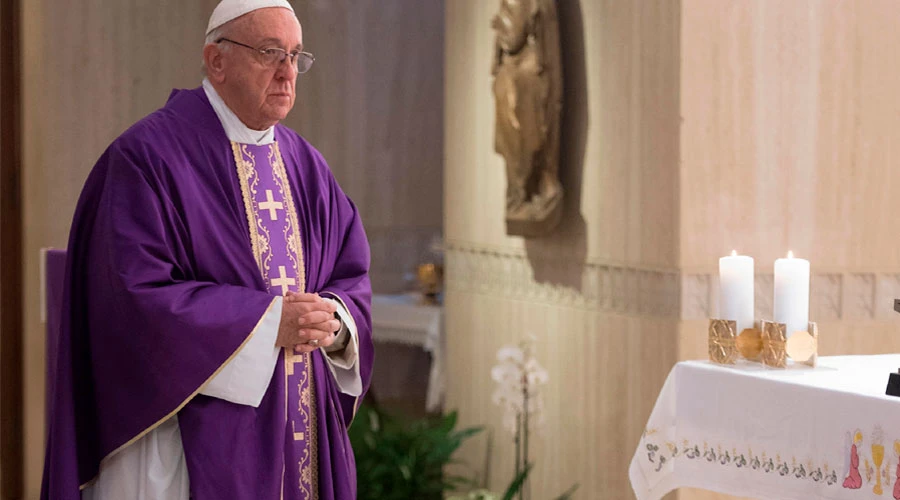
(734, 253)
(790, 254)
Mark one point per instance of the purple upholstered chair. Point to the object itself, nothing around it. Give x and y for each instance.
(54, 278)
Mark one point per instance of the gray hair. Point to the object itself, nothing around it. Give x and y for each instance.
(211, 38)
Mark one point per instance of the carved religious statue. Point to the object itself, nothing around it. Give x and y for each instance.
(527, 71)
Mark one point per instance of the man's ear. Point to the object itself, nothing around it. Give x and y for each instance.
(215, 63)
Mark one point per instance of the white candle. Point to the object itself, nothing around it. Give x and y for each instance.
(736, 290)
(792, 293)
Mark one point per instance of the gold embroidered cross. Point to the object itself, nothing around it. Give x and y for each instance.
(291, 358)
(271, 205)
(298, 436)
(283, 281)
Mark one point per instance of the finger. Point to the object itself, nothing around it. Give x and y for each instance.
(327, 305)
(306, 308)
(329, 326)
(324, 338)
(303, 297)
(304, 348)
(303, 336)
(327, 341)
(315, 317)
(316, 339)
(320, 339)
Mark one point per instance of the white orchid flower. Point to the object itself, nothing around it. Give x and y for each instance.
(519, 375)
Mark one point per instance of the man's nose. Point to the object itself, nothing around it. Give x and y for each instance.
(287, 69)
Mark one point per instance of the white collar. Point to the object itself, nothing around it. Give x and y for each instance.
(234, 127)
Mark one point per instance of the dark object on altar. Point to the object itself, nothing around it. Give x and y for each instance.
(893, 386)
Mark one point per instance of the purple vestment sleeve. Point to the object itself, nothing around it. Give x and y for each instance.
(160, 330)
(350, 281)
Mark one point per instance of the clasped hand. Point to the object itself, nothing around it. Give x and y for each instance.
(307, 322)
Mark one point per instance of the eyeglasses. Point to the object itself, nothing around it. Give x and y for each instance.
(273, 57)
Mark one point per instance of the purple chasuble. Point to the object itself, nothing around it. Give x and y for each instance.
(180, 241)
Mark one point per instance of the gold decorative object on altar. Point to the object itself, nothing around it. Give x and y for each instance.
(430, 276)
(722, 346)
(765, 343)
(749, 343)
(803, 347)
(773, 344)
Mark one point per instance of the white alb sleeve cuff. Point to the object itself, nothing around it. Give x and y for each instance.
(343, 364)
(245, 379)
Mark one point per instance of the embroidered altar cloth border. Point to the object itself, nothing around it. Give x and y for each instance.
(827, 432)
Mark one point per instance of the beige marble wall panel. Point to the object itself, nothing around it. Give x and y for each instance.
(622, 94)
(373, 105)
(602, 294)
(474, 200)
(790, 135)
(2, 134)
(596, 401)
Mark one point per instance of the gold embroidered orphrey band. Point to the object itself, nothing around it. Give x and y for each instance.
(247, 174)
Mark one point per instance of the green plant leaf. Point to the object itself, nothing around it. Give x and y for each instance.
(448, 422)
(400, 459)
(568, 494)
(517, 483)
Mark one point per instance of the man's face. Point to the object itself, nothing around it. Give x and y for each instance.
(260, 95)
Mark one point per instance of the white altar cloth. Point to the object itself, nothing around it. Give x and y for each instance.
(801, 433)
(403, 319)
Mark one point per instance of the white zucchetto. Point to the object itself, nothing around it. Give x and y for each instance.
(229, 10)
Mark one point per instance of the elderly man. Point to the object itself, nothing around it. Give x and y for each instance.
(216, 332)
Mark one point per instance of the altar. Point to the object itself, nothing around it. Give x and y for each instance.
(405, 319)
(800, 433)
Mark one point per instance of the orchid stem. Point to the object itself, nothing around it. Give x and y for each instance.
(525, 486)
(518, 448)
